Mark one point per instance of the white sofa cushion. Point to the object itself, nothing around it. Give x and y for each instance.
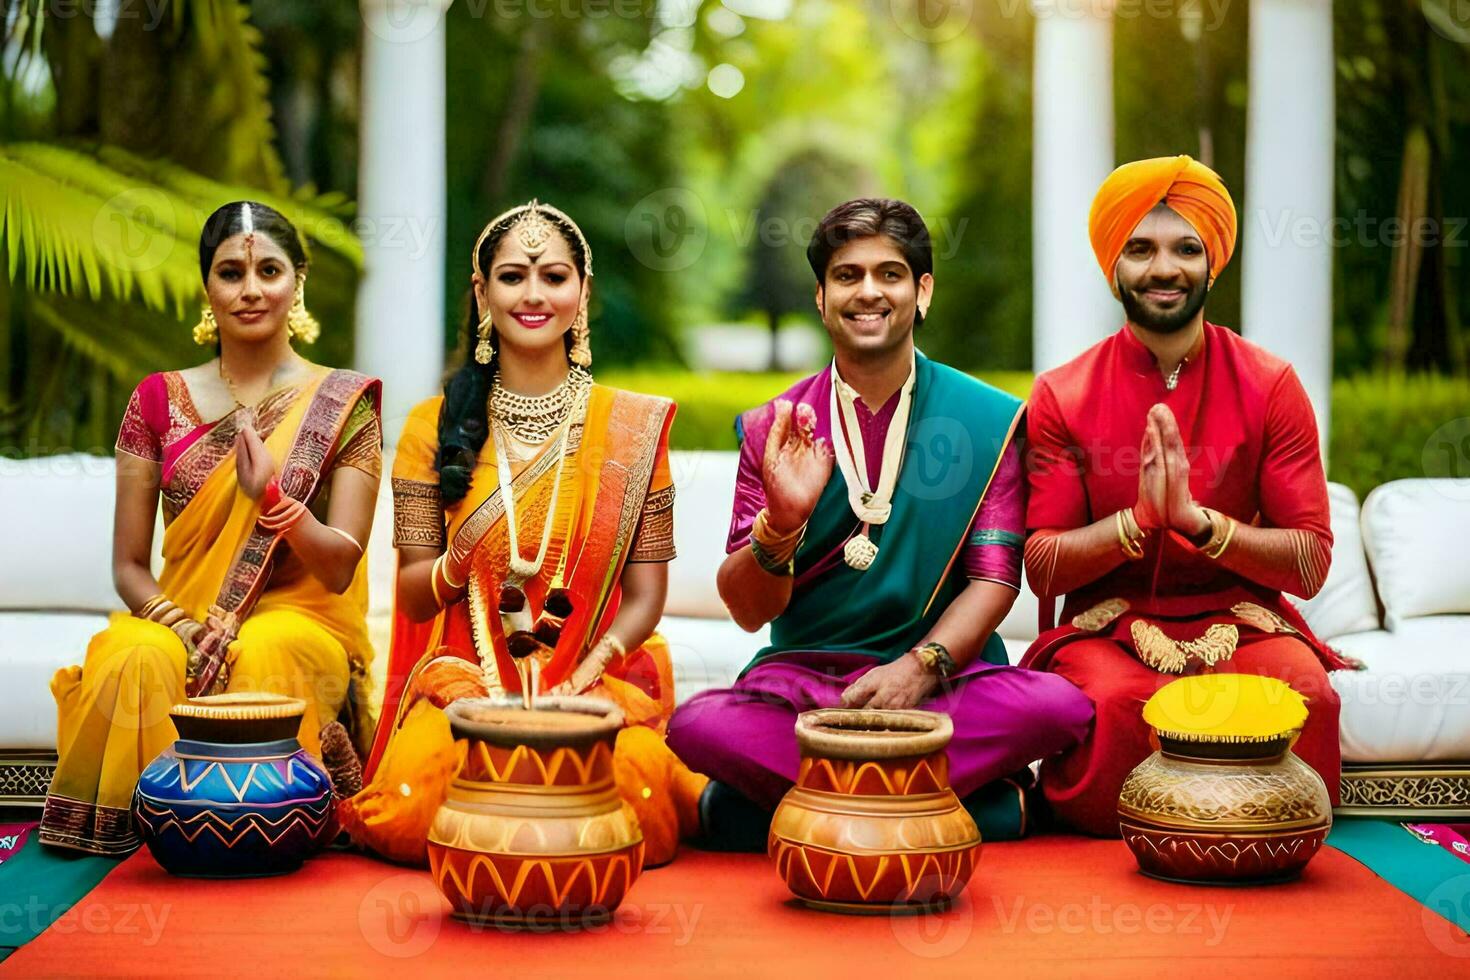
(704, 491)
(1346, 604)
(1417, 534)
(708, 652)
(33, 647)
(1412, 703)
(59, 521)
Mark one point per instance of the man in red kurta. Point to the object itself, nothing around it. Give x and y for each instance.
(1177, 491)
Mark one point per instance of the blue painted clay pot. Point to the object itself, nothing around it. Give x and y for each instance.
(236, 796)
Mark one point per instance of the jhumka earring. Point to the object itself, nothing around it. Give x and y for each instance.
(206, 331)
(581, 352)
(300, 323)
(484, 352)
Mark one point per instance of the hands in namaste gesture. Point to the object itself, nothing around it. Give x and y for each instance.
(253, 464)
(796, 466)
(1164, 497)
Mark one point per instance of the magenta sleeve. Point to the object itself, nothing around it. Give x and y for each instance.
(998, 536)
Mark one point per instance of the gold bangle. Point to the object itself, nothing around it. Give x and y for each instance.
(149, 605)
(351, 540)
(434, 582)
(778, 548)
(1222, 532)
(1131, 547)
(444, 571)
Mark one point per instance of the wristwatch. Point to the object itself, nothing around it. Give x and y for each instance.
(936, 659)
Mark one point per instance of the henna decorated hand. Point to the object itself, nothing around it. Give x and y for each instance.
(1185, 516)
(796, 466)
(253, 464)
(1152, 510)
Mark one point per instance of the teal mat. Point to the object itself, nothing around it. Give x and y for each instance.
(1426, 872)
(38, 885)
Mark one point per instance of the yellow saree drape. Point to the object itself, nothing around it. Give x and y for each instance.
(616, 462)
(113, 710)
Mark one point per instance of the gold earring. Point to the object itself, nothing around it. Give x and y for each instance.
(484, 352)
(206, 331)
(581, 352)
(299, 323)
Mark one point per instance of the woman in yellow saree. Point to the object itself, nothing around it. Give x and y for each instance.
(268, 466)
(567, 569)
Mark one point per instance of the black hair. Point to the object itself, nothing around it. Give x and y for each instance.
(463, 420)
(229, 221)
(865, 217)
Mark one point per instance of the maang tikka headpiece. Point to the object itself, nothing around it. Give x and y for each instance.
(532, 225)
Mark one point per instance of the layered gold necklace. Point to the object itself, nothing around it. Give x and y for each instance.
(532, 419)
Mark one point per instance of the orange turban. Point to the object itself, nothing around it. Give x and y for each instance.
(1185, 185)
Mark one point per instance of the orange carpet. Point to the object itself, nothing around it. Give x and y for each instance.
(1044, 907)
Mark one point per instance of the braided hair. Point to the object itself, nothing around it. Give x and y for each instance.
(464, 423)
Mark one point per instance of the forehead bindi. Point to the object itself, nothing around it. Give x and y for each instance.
(249, 248)
(513, 253)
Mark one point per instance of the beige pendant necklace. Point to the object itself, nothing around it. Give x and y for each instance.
(872, 505)
(516, 615)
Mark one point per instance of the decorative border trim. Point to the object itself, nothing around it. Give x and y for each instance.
(25, 777)
(1435, 790)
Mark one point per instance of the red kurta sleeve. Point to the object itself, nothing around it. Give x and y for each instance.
(1294, 483)
(1058, 495)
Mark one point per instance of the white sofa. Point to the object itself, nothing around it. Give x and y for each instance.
(1405, 720)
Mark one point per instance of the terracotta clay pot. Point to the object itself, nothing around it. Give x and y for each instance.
(533, 832)
(236, 796)
(872, 824)
(1208, 809)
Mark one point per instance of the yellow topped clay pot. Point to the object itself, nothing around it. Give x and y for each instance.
(1224, 800)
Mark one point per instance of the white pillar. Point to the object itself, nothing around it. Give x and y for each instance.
(401, 202)
(1286, 274)
(1072, 152)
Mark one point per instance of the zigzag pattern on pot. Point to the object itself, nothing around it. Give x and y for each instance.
(623, 866)
(527, 765)
(942, 873)
(230, 832)
(885, 778)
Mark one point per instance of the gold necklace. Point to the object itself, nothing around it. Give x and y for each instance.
(532, 419)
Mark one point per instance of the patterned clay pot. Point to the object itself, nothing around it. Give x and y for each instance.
(236, 796)
(533, 832)
(1211, 809)
(872, 824)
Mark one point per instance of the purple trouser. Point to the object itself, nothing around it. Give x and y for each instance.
(745, 736)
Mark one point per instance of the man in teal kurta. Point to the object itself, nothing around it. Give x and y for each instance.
(883, 576)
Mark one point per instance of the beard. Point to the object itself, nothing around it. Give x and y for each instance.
(1172, 321)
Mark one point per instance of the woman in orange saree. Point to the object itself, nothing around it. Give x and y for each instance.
(267, 466)
(533, 515)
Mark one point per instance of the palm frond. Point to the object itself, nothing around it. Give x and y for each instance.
(114, 223)
(71, 225)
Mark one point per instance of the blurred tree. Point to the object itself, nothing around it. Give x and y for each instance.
(1403, 139)
(778, 280)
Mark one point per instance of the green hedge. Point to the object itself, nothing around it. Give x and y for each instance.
(1391, 427)
(1383, 427)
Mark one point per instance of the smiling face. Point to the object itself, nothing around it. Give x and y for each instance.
(251, 286)
(532, 300)
(868, 297)
(1163, 275)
